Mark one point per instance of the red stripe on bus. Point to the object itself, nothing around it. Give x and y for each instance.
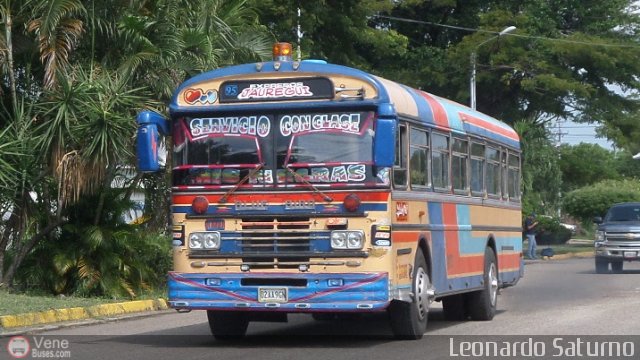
(279, 198)
(405, 236)
(439, 113)
(474, 264)
(465, 265)
(490, 126)
(509, 261)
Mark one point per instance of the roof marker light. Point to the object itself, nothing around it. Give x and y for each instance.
(282, 51)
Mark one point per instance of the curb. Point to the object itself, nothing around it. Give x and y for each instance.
(584, 254)
(80, 313)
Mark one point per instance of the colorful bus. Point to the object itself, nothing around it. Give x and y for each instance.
(308, 187)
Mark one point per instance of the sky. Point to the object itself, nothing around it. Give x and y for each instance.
(575, 133)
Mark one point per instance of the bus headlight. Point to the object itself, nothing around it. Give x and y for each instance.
(204, 240)
(195, 240)
(212, 240)
(338, 240)
(355, 240)
(347, 239)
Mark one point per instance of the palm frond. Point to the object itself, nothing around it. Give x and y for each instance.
(58, 28)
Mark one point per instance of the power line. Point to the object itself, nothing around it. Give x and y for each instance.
(580, 126)
(510, 34)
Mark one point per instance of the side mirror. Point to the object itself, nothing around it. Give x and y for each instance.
(597, 220)
(384, 141)
(150, 126)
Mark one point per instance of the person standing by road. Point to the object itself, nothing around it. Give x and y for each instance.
(530, 225)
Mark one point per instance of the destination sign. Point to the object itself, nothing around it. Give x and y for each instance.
(276, 90)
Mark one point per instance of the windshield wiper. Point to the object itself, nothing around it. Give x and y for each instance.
(325, 197)
(244, 179)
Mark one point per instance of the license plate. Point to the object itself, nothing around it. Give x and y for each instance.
(630, 254)
(272, 294)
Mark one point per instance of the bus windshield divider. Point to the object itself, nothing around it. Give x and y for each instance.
(325, 197)
(253, 171)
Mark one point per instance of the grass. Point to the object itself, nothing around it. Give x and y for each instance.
(570, 248)
(13, 303)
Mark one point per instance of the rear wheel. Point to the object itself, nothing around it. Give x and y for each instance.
(602, 265)
(409, 320)
(616, 267)
(483, 303)
(227, 325)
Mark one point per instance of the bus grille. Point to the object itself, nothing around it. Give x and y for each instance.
(279, 237)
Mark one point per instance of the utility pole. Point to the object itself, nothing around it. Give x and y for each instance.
(558, 144)
(299, 35)
(560, 134)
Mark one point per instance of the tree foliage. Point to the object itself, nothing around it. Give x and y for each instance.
(75, 73)
(541, 175)
(594, 200)
(586, 164)
(568, 59)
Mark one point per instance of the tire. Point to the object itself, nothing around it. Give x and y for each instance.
(602, 266)
(616, 267)
(454, 308)
(227, 325)
(409, 320)
(482, 304)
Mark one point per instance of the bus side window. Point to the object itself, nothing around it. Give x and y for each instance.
(477, 169)
(400, 165)
(493, 171)
(459, 160)
(503, 177)
(514, 177)
(440, 157)
(419, 158)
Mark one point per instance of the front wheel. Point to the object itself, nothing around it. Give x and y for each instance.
(483, 303)
(616, 267)
(409, 320)
(227, 325)
(602, 265)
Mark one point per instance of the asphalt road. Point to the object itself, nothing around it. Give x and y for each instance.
(559, 298)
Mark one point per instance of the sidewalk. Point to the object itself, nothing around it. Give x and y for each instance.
(10, 323)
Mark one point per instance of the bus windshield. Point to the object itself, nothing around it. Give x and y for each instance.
(325, 147)
(223, 150)
(321, 148)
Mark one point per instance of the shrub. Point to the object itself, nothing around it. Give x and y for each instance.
(550, 232)
(590, 201)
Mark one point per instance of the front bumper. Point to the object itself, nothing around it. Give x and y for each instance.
(618, 251)
(352, 292)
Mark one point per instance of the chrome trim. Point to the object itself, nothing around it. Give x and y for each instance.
(403, 294)
(283, 263)
(297, 254)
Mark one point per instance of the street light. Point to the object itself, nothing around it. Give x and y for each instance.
(473, 63)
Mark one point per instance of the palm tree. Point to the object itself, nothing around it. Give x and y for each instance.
(112, 259)
(84, 105)
(58, 27)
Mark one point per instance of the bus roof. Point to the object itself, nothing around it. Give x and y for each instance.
(418, 105)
